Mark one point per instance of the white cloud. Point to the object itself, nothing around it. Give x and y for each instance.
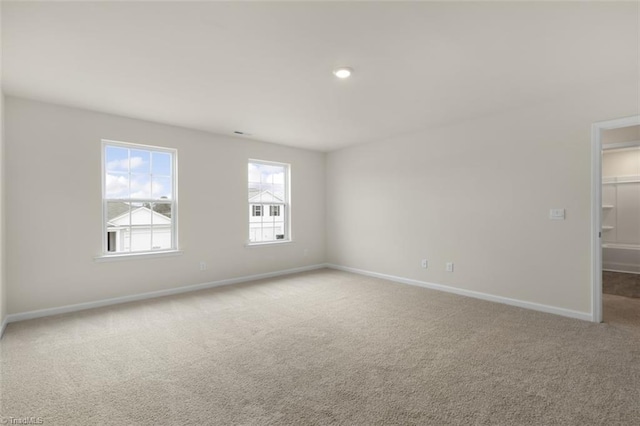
(124, 163)
(254, 173)
(266, 174)
(159, 190)
(278, 178)
(136, 162)
(116, 186)
(140, 187)
(140, 194)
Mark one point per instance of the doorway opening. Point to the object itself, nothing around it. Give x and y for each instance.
(615, 206)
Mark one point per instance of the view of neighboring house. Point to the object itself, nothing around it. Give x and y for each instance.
(138, 228)
(266, 216)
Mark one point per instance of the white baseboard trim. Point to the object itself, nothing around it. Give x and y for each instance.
(470, 293)
(3, 325)
(151, 295)
(620, 270)
(628, 268)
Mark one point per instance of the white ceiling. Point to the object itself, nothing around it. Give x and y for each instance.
(266, 68)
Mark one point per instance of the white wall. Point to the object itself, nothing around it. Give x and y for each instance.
(478, 193)
(53, 207)
(623, 134)
(621, 162)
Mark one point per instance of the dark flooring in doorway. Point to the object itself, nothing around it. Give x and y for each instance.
(621, 284)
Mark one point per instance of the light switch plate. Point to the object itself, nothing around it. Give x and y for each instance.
(557, 214)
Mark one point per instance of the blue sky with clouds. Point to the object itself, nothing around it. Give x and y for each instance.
(137, 173)
(267, 177)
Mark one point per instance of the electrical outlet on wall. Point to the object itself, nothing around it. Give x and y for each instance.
(449, 266)
(424, 263)
(203, 265)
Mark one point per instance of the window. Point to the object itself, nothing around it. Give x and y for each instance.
(139, 198)
(268, 187)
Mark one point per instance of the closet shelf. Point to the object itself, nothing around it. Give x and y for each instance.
(607, 228)
(621, 246)
(612, 180)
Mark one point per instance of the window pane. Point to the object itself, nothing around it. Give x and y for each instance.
(117, 214)
(161, 187)
(278, 193)
(161, 238)
(254, 192)
(116, 185)
(117, 226)
(266, 173)
(268, 226)
(116, 159)
(279, 224)
(140, 161)
(266, 193)
(141, 215)
(161, 164)
(141, 222)
(161, 230)
(270, 173)
(140, 239)
(255, 234)
(268, 230)
(140, 186)
(278, 176)
(254, 173)
(163, 209)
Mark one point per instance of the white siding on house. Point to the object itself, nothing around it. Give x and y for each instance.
(266, 227)
(142, 230)
(270, 224)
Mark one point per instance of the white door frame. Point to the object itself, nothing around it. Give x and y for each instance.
(596, 207)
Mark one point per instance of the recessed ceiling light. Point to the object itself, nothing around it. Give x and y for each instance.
(343, 72)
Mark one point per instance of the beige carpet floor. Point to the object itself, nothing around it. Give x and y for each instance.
(621, 284)
(323, 347)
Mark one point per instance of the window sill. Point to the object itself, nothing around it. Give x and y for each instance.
(268, 243)
(132, 256)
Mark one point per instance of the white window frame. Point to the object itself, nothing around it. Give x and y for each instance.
(174, 201)
(256, 208)
(288, 238)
